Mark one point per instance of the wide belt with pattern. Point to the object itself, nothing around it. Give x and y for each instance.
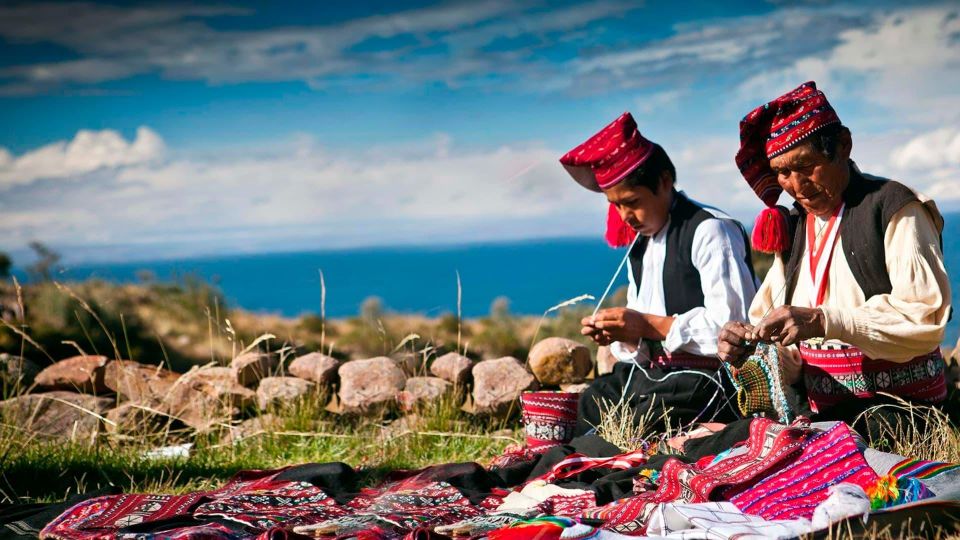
(836, 372)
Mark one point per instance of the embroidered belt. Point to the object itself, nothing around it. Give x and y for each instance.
(682, 360)
(836, 372)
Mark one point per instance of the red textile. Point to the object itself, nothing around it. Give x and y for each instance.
(549, 417)
(770, 130)
(608, 156)
(827, 459)
(769, 447)
(833, 373)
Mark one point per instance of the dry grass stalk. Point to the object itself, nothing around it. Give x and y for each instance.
(936, 441)
(621, 425)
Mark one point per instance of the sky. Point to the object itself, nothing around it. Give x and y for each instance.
(164, 130)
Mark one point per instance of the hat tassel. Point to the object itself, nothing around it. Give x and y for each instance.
(619, 234)
(770, 233)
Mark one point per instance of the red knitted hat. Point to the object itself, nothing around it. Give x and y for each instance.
(604, 160)
(768, 131)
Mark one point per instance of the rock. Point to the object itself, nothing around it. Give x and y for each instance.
(253, 366)
(207, 396)
(78, 374)
(497, 384)
(16, 373)
(452, 367)
(366, 385)
(135, 419)
(577, 388)
(420, 391)
(556, 361)
(274, 391)
(605, 360)
(315, 367)
(46, 416)
(139, 383)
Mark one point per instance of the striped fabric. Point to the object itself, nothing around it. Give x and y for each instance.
(828, 458)
(575, 464)
(922, 470)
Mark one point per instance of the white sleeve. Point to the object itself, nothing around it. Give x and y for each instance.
(728, 286)
(627, 352)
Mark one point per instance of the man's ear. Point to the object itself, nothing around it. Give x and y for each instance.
(844, 145)
(666, 180)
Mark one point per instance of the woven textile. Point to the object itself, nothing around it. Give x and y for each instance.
(759, 384)
(769, 447)
(827, 459)
(549, 418)
(836, 372)
(774, 128)
(607, 157)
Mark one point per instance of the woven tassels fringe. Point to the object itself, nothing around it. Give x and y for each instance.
(770, 233)
(618, 234)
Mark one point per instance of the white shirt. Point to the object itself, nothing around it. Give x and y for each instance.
(728, 288)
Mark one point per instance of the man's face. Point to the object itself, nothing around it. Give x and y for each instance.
(643, 210)
(817, 183)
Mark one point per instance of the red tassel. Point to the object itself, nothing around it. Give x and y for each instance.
(619, 234)
(770, 233)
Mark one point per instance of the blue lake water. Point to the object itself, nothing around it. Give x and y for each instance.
(534, 275)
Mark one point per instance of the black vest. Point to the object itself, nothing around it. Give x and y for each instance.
(870, 204)
(682, 290)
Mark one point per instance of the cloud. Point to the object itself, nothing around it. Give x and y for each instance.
(448, 43)
(937, 149)
(295, 194)
(86, 152)
(906, 61)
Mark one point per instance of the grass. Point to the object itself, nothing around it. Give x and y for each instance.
(187, 324)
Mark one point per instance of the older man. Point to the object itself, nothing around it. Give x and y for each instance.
(690, 272)
(857, 297)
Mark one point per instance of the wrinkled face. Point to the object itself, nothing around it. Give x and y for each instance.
(816, 182)
(643, 210)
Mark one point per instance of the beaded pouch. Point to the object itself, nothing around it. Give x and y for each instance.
(759, 384)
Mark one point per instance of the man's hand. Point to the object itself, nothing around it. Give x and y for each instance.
(733, 340)
(787, 325)
(626, 325)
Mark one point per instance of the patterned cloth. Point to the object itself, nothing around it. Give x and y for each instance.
(827, 459)
(836, 372)
(549, 418)
(607, 157)
(759, 384)
(775, 127)
(769, 446)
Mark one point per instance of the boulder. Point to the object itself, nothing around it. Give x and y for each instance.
(497, 384)
(253, 366)
(555, 361)
(16, 373)
(420, 391)
(78, 374)
(367, 385)
(58, 415)
(132, 418)
(452, 367)
(315, 367)
(605, 360)
(410, 363)
(139, 383)
(207, 396)
(274, 391)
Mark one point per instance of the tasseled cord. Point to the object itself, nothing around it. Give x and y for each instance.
(770, 234)
(890, 491)
(618, 234)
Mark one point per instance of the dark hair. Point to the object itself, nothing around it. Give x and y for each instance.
(827, 140)
(648, 174)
